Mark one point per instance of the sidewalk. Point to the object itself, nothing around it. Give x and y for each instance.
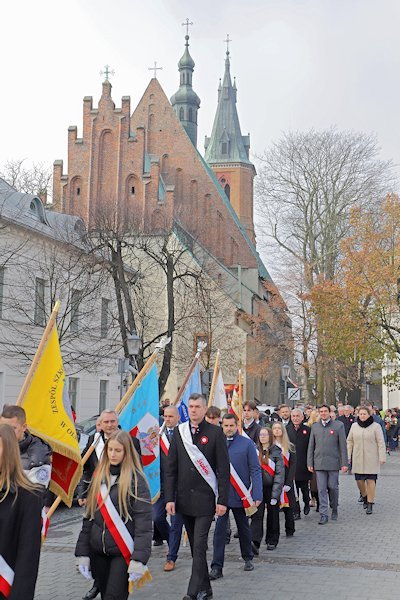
(358, 557)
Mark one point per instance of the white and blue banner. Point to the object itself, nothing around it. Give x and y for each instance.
(193, 387)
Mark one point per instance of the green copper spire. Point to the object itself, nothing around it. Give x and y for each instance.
(227, 144)
(186, 102)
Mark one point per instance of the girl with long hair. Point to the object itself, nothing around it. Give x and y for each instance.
(288, 498)
(115, 540)
(273, 474)
(20, 523)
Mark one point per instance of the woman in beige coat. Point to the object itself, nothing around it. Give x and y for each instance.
(366, 451)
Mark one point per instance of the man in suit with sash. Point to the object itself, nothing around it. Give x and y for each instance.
(197, 485)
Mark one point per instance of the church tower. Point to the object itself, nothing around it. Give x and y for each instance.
(227, 153)
(186, 102)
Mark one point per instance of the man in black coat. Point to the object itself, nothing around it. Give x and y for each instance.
(250, 426)
(299, 435)
(347, 419)
(196, 485)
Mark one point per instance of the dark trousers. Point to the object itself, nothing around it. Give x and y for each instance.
(305, 492)
(257, 521)
(244, 532)
(197, 529)
(288, 511)
(175, 534)
(161, 524)
(111, 575)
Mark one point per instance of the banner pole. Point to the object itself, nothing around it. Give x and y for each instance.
(240, 423)
(214, 379)
(39, 351)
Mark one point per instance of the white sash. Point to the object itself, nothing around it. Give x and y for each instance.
(197, 457)
(99, 445)
(164, 443)
(6, 577)
(115, 524)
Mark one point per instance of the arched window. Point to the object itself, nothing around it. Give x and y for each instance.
(191, 115)
(227, 190)
(181, 114)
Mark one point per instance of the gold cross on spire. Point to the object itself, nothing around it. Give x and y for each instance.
(187, 24)
(155, 69)
(107, 72)
(227, 42)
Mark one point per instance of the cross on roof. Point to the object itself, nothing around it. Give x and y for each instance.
(155, 69)
(227, 42)
(187, 24)
(107, 72)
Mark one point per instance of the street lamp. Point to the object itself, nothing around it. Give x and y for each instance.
(134, 344)
(285, 372)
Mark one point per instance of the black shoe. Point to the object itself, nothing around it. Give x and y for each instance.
(323, 520)
(361, 499)
(203, 595)
(307, 510)
(365, 502)
(289, 533)
(369, 508)
(334, 515)
(188, 597)
(236, 535)
(158, 542)
(248, 566)
(92, 593)
(317, 509)
(228, 540)
(256, 550)
(296, 517)
(215, 574)
(271, 546)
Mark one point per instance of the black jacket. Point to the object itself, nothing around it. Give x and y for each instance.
(290, 469)
(90, 466)
(95, 537)
(34, 452)
(300, 439)
(185, 485)
(277, 481)
(20, 538)
(252, 431)
(347, 422)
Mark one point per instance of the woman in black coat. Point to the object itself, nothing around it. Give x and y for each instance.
(273, 476)
(118, 500)
(288, 498)
(20, 523)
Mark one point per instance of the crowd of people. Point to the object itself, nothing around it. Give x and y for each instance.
(211, 467)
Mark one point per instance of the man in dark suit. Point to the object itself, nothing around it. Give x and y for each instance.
(250, 426)
(347, 419)
(299, 435)
(197, 485)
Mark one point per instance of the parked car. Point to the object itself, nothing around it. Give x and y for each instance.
(85, 429)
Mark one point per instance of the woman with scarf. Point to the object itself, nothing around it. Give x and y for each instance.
(20, 523)
(366, 451)
(288, 498)
(115, 540)
(273, 477)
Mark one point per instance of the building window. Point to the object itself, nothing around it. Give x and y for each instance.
(190, 114)
(76, 298)
(73, 391)
(132, 190)
(78, 191)
(224, 148)
(40, 316)
(103, 394)
(104, 317)
(181, 114)
(227, 190)
(2, 269)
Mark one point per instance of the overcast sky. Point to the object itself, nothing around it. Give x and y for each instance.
(298, 63)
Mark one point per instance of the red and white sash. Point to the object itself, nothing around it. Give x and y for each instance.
(115, 524)
(240, 488)
(164, 443)
(284, 499)
(197, 457)
(99, 447)
(6, 577)
(269, 468)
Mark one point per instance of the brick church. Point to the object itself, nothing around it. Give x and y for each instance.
(146, 165)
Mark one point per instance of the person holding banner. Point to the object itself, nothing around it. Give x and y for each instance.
(245, 475)
(20, 523)
(288, 498)
(197, 485)
(273, 478)
(115, 540)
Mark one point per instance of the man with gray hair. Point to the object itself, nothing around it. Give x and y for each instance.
(347, 419)
(299, 435)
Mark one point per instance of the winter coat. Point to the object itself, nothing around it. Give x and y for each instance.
(278, 480)
(347, 422)
(182, 481)
(366, 448)
(243, 456)
(300, 438)
(327, 448)
(20, 538)
(95, 538)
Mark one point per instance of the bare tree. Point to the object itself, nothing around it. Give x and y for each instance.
(307, 185)
(36, 179)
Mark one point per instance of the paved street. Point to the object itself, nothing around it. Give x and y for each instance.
(357, 557)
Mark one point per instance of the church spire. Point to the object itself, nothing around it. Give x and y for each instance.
(226, 143)
(185, 101)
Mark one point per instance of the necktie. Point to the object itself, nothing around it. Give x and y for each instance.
(170, 433)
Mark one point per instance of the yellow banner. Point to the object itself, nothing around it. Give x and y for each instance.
(49, 419)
